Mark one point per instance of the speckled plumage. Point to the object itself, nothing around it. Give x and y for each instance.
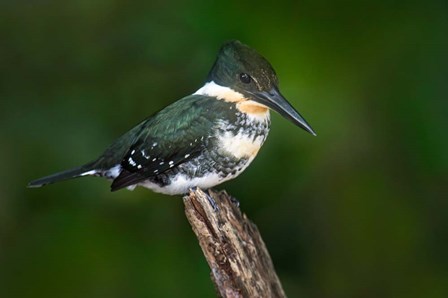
(194, 146)
(215, 163)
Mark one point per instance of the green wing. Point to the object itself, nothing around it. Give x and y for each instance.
(175, 135)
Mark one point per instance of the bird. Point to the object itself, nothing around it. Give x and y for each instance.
(201, 140)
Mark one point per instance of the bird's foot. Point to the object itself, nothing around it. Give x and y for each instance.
(211, 201)
(235, 201)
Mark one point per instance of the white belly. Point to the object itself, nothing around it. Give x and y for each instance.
(180, 184)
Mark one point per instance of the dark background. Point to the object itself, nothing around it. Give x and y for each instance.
(359, 211)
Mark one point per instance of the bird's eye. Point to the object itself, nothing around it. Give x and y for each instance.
(245, 78)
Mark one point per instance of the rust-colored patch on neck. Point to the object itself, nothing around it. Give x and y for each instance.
(251, 107)
(231, 96)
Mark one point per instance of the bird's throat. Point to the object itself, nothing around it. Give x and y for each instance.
(253, 108)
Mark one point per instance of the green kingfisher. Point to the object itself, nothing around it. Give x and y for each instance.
(201, 140)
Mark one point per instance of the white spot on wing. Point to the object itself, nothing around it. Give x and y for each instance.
(132, 162)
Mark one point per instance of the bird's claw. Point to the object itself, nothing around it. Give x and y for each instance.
(211, 201)
(235, 201)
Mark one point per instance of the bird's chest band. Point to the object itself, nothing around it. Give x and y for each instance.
(240, 145)
(243, 139)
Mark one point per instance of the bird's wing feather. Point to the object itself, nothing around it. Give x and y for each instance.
(171, 137)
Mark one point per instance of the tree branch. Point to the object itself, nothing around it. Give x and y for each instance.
(239, 261)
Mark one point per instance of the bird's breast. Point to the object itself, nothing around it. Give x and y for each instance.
(243, 138)
(241, 145)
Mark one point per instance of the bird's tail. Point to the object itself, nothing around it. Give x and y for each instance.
(84, 170)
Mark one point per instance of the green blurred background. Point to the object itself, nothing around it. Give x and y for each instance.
(359, 211)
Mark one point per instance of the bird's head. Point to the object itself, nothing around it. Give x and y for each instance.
(240, 75)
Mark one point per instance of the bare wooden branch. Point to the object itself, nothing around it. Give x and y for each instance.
(239, 261)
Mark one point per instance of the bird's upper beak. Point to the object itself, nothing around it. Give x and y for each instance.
(274, 100)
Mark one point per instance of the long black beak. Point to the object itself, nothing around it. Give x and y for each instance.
(274, 100)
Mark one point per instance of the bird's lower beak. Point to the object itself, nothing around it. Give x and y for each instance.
(274, 100)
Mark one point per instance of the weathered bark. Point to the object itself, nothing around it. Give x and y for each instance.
(239, 261)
